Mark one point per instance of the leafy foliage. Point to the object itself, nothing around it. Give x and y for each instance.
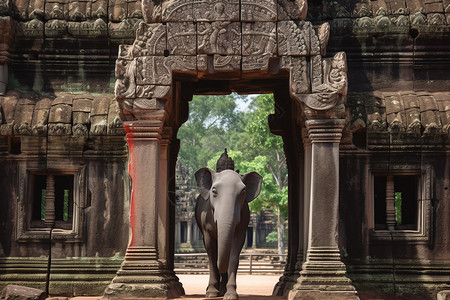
(216, 123)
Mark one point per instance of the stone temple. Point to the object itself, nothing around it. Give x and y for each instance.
(94, 91)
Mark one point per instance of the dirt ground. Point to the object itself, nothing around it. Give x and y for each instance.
(249, 287)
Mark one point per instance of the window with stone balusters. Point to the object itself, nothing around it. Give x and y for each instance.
(399, 204)
(52, 200)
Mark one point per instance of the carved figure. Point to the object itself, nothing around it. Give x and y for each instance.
(223, 215)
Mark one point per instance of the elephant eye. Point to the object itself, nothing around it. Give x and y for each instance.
(214, 191)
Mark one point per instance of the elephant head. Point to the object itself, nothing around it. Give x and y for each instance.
(228, 194)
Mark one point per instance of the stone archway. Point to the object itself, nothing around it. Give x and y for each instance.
(188, 47)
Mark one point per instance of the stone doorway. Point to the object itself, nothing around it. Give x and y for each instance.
(218, 47)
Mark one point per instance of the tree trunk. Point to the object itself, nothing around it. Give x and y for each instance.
(280, 230)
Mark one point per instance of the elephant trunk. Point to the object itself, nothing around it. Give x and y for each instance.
(226, 227)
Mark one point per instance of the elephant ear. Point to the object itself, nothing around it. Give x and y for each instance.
(252, 181)
(204, 178)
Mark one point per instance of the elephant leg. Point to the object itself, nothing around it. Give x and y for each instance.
(223, 283)
(212, 290)
(232, 270)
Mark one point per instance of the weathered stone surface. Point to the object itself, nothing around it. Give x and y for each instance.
(17, 292)
(216, 11)
(259, 38)
(182, 38)
(177, 11)
(151, 39)
(258, 10)
(443, 295)
(60, 113)
(82, 105)
(219, 37)
(291, 10)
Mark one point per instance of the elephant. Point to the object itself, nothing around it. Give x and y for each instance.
(222, 213)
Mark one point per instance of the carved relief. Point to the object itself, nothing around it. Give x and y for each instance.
(210, 10)
(258, 10)
(323, 34)
(182, 39)
(153, 91)
(256, 62)
(292, 40)
(55, 28)
(56, 9)
(259, 38)
(292, 10)
(151, 39)
(125, 71)
(33, 28)
(299, 78)
(219, 37)
(88, 28)
(227, 63)
(177, 10)
(117, 10)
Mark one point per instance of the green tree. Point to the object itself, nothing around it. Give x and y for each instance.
(215, 123)
(257, 149)
(269, 148)
(212, 119)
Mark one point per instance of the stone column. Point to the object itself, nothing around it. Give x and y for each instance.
(323, 273)
(163, 199)
(307, 193)
(254, 236)
(142, 275)
(188, 232)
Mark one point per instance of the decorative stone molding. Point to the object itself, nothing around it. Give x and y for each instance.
(64, 115)
(146, 68)
(25, 232)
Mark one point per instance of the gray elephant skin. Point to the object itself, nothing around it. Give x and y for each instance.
(222, 213)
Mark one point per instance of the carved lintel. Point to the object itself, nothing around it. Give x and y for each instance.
(292, 10)
(182, 38)
(153, 91)
(151, 39)
(259, 38)
(158, 69)
(227, 63)
(177, 10)
(256, 62)
(258, 10)
(211, 10)
(220, 37)
(293, 39)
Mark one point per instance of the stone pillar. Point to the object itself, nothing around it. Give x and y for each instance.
(142, 275)
(188, 232)
(177, 233)
(254, 236)
(307, 193)
(323, 273)
(163, 200)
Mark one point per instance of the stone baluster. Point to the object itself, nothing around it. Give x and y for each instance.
(390, 202)
(49, 220)
(323, 273)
